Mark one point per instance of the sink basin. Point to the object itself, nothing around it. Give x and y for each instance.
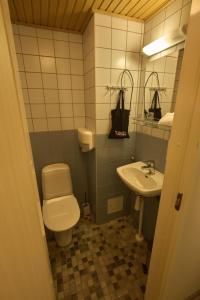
(138, 181)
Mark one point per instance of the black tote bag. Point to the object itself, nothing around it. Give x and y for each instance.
(155, 107)
(120, 119)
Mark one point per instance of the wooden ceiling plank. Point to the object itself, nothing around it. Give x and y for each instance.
(62, 5)
(96, 4)
(105, 4)
(36, 11)
(53, 4)
(137, 7)
(129, 6)
(147, 7)
(68, 13)
(78, 9)
(28, 11)
(121, 6)
(113, 5)
(19, 8)
(44, 12)
(83, 15)
(154, 9)
(13, 14)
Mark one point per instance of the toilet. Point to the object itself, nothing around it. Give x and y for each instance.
(60, 208)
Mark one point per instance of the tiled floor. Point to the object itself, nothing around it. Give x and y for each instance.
(102, 262)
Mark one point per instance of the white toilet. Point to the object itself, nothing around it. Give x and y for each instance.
(60, 207)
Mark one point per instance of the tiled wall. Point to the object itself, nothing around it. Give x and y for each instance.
(51, 70)
(117, 46)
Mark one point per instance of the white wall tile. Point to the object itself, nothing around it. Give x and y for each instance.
(51, 96)
(26, 30)
(46, 47)
(30, 125)
(63, 66)
(132, 61)
(38, 110)
(79, 122)
(134, 26)
(44, 33)
(133, 42)
(48, 64)
(49, 81)
(103, 20)
(102, 37)
(17, 44)
(61, 49)
(28, 111)
(65, 96)
(103, 58)
(119, 23)
(102, 77)
(20, 62)
(118, 59)
(25, 95)
(66, 110)
(76, 51)
(34, 80)
(64, 81)
(102, 126)
(79, 110)
(32, 63)
(77, 38)
(78, 96)
(61, 35)
(54, 124)
(76, 67)
(36, 95)
(118, 39)
(102, 95)
(172, 23)
(29, 45)
(67, 123)
(52, 110)
(102, 111)
(40, 125)
(77, 82)
(174, 7)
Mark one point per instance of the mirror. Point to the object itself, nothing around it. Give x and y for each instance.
(168, 71)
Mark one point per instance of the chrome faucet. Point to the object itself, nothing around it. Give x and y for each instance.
(150, 166)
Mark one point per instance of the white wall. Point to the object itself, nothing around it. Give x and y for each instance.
(51, 71)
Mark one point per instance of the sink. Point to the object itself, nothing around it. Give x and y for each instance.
(139, 181)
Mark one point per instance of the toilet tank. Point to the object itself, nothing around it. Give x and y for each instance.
(56, 181)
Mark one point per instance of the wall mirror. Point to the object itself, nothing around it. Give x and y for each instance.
(167, 67)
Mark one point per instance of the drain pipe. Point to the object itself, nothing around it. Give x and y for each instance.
(139, 206)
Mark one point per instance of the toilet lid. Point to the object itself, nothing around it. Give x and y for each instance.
(61, 213)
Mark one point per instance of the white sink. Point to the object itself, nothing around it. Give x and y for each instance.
(139, 181)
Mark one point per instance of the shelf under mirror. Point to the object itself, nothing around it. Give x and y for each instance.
(150, 123)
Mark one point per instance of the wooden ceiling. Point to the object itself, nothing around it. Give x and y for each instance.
(73, 15)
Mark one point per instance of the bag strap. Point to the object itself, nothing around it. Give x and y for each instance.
(120, 102)
(155, 100)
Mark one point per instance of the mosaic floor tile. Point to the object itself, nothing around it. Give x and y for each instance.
(102, 262)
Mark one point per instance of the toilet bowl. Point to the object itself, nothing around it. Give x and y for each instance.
(60, 208)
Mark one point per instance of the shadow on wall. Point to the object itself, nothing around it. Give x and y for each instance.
(60, 146)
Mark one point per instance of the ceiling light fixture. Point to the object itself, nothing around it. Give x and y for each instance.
(165, 42)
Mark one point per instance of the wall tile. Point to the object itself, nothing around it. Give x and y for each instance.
(40, 125)
(79, 122)
(63, 66)
(102, 37)
(118, 39)
(79, 110)
(54, 124)
(76, 67)
(67, 123)
(66, 110)
(52, 110)
(60, 35)
(102, 77)
(76, 51)
(119, 23)
(102, 58)
(50, 81)
(77, 82)
(61, 49)
(17, 44)
(20, 62)
(64, 81)
(38, 110)
(44, 33)
(118, 59)
(46, 47)
(34, 80)
(78, 96)
(27, 30)
(102, 20)
(77, 38)
(65, 96)
(29, 45)
(134, 26)
(48, 64)
(133, 42)
(31, 63)
(36, 95)
(25, 95)
(51, 96)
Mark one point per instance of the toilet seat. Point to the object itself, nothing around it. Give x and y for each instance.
(61, 213)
